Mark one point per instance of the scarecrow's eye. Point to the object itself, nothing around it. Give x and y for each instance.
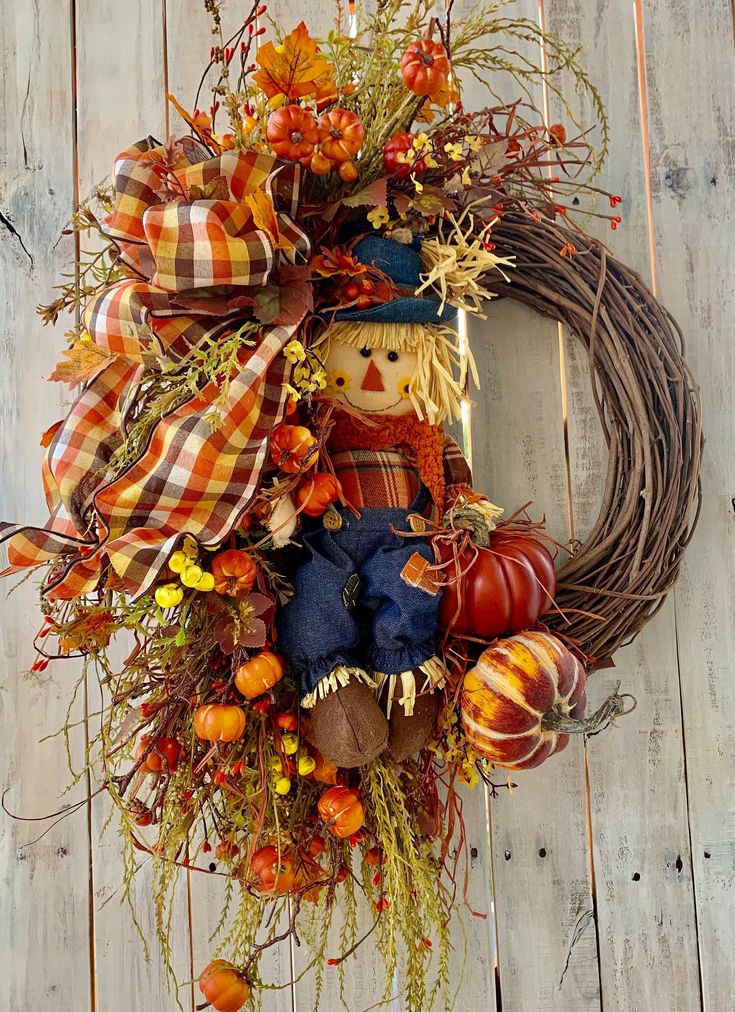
(366, 352)
(392, 356)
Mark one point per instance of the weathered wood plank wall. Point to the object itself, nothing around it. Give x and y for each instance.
(612, 868)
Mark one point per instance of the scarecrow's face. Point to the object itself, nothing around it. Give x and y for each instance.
(371, 379)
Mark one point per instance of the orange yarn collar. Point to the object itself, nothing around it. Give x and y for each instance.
(426, 441)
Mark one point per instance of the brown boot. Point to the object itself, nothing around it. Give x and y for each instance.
(348, 727)
(409, 734)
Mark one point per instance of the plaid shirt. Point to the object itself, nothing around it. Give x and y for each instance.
(379, 479)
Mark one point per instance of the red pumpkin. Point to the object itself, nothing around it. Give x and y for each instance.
(510, 700)
(342, 809)
(224, 987)
(293, 448)
(317, 493)
(425, 67)
(275, 873)
(507, 588)
(234, 572)
(401, 144)
(219, 722)
(341, 135)
(259, 674)
(292, 132)
(163, 756)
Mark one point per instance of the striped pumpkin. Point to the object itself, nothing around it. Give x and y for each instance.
(520, 687)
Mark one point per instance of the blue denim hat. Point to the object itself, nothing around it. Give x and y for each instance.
(402, 264)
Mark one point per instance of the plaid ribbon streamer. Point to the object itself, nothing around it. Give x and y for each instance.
(194, 258)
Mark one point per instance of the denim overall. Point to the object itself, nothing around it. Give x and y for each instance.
(389, 627)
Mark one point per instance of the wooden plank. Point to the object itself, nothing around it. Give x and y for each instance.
(641, 865)
(45, 953)
(188, 34)
(546, 935)
(115, 109)
(691, 106)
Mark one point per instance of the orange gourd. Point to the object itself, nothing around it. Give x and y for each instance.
(275, 873)
(293, 448)
(425, 67)
(224, 987)
(219, 722)
(519, 697)
(259, 674)
(340, 134)
(347, 172)
(234, 572)
(317, 493)
(163, 756)
(292, 132)
(341, 808)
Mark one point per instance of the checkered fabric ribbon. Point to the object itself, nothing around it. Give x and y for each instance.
(200, 262)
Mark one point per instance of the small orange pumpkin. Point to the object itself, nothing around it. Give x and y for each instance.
(219, 722)
(164, 754)
(275, 872)
(342, 809)
(341, 134)
(512, 700)
(224, 986)
(234, 572)
(425, 67)
(259, 674)
(292, 132)
(292, 448)
(317, 493)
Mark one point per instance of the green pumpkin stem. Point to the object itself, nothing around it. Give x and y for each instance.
(614, 706)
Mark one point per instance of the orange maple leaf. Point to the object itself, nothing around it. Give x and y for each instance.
(295, 68)
(264, 217)
(79, 363)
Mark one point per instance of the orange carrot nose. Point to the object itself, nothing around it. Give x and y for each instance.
(372, 380)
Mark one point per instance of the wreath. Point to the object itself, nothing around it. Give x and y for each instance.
(329, 629)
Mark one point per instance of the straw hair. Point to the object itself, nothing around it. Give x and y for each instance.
(439, 384)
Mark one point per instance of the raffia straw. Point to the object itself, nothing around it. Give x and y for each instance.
(649, 408)
(457, 265)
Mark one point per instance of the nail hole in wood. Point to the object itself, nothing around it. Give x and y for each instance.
(473, 853)
(213, 866)
(707, 855)
(636, 876)
(679, 863)
(507, 855)
(542, 852)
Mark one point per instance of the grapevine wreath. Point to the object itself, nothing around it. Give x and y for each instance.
(327, 630)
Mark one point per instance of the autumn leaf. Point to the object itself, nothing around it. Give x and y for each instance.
(295, 68)
(264, 218)
(215, 189)
(287, 303)
(80, 363)
(50, 432)
(373, 195)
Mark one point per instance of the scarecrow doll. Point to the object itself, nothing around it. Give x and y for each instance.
(361, 628)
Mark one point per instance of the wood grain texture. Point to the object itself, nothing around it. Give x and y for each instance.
(188, 40)
(44, 886)
(639, 825)
(691, 109)
(547, 948)
(120, 99)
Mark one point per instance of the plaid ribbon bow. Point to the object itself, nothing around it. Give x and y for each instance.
(194, 262)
